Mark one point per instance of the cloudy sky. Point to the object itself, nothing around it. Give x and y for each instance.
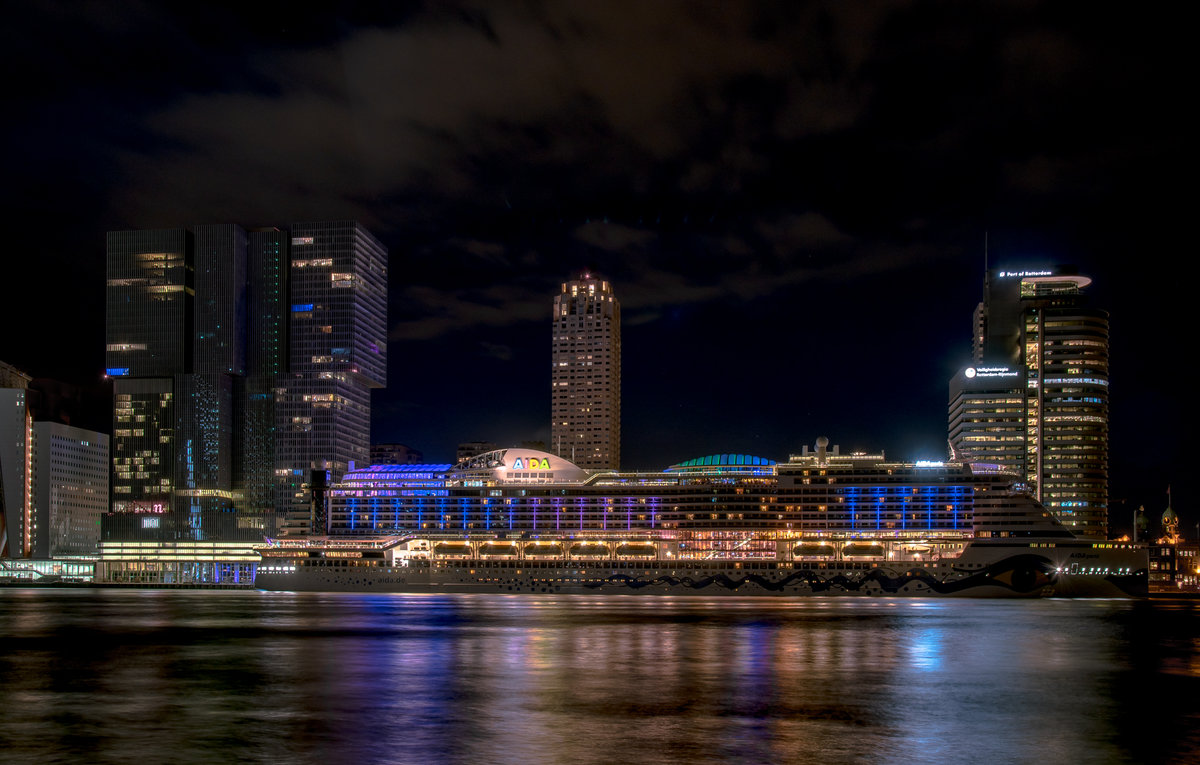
(791, 198)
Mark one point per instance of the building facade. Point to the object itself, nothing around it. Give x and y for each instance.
(54, 478)
(585, 375)
(70, 478)
(1035, 398)
(337, 354)
(16, 452)
(242, 362)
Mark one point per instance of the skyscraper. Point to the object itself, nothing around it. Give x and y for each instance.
(337, 354)
(1035, 398)
(149, 307)
(228, 390)
(585, 374)
(16, 434)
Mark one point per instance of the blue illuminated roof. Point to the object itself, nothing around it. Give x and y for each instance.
(725, 460)
(426, 472)
(440, 467)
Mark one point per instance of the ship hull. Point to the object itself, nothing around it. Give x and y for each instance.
(981, 572)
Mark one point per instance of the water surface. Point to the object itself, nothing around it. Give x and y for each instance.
(186, 676)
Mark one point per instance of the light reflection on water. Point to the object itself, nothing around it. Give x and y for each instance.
(145, 676)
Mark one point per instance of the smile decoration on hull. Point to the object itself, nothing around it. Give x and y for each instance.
(1019, 575)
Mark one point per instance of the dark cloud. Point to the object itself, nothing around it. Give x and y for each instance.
(777, 190)
(497, 351)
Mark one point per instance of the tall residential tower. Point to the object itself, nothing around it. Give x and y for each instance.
(585, 376)
(1035, 400)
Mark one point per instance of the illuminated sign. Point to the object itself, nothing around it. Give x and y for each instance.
(531, 463)
(1004, 274)
(339, 554)
(302, 240)
(973, 372)
(157, 508)
(117, 371)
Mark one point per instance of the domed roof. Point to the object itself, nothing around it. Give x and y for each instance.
(724, 460)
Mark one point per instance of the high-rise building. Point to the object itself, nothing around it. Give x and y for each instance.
(242, 362)
(16, 434)
(149, 306)
(69, 477)
(1035, 398)
(585, 374)
(337, 354)
(53, 478)
(267, 266)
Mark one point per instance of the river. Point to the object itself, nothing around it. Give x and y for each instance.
(143, 676)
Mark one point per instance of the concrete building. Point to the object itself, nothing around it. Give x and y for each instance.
(1035, 397)
(70, 471)
(585, 374)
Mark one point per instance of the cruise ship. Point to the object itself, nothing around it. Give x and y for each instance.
(822, 523)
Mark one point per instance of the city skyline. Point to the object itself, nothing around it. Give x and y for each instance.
(242, 364)
(791, 202)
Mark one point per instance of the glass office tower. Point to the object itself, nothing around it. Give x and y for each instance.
(149, 307)
(337, 353)
(1036, 397)
(242, 363)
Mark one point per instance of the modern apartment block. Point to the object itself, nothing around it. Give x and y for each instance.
(585, 376)
(242, 362)
(1035, 398)
(69, 477)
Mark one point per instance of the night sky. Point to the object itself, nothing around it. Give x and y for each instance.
(790, 199)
